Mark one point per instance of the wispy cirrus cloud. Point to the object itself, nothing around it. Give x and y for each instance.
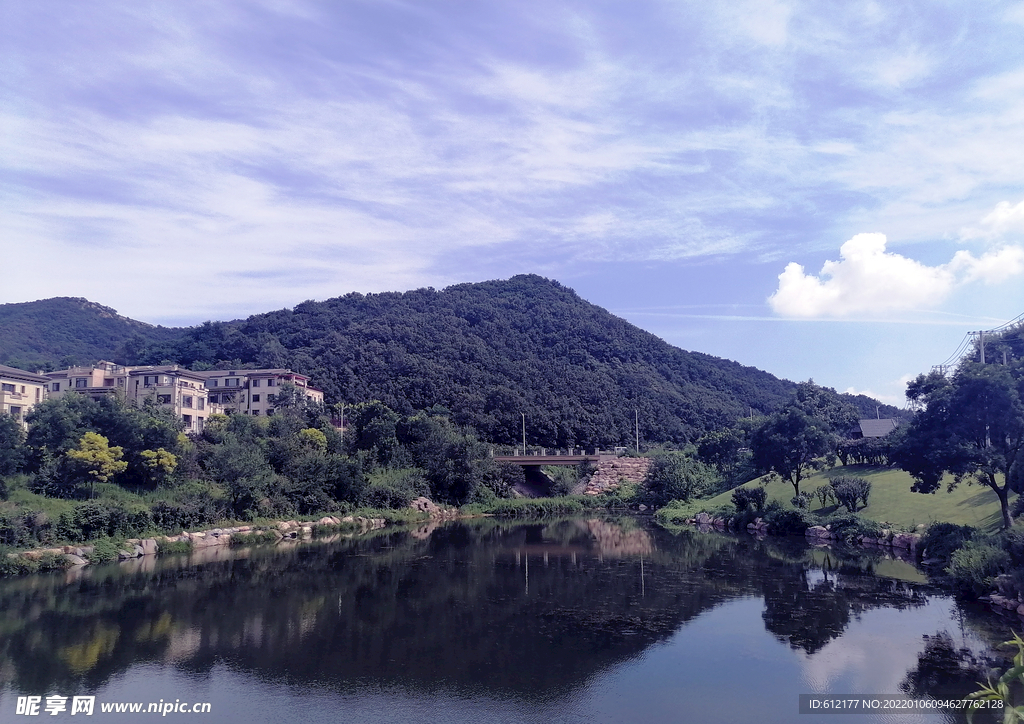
(381, 145)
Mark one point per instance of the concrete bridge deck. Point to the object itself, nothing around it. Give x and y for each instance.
(532, 460)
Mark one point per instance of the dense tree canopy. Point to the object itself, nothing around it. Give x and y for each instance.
(972, 426)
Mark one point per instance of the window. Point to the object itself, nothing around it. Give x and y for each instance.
(255, 412)
(16, 412)
(7, 388)
(163, 399)
(120, 381)
(23, 389)
(233, 382)
(150, 380)
(255, 398)
(81, 382)
(270, 410)
(255, 383)
(186, 401)
(187, 419)
(271, 382)
(55, 387)
(109, 382)
(213, 383)
(215, 399)
(38, 390)
(200, 421)
(200, 403)
(271, 398)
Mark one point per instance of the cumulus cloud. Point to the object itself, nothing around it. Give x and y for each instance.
(867, 279)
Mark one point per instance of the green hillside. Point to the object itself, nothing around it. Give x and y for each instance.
(491, 351)
(892, 501)
(487, 353)
(62, 331)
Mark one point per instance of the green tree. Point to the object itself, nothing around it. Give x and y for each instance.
(675, 476)
(789, 444)
(160, 463)
(12, 449)
(972, 426)
(100, 461)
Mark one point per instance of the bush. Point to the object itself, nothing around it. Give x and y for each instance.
(1013, 543)
(95, 519)
(787, 522)
(675, 476)
(941, 540)
(850, 491)
(975, 566)
(104, 550)
(801, 501)
(744, 498)
(825, 495)
(848, 526)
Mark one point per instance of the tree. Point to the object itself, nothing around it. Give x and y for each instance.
(675, 476)
(789, 443)
(12, 452)
(100, 461)
(972, 426)
(160, 463)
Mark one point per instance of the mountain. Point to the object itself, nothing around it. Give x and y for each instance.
(488, 353)
(62, 331)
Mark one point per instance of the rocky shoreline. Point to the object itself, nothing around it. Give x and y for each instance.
(76, 556)
(903, 544)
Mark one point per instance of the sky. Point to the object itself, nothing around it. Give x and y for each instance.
(827, 191)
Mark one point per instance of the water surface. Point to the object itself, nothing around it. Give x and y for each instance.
(600, 620)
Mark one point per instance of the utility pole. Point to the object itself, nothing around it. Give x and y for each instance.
(877, 416)
(981, 335)
(524, 432)
(636, 418)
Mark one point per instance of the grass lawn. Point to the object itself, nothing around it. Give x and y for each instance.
(893, 502)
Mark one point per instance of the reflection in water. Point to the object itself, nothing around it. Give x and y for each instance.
(528, 611)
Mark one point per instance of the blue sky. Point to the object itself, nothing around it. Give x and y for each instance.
(823, 190)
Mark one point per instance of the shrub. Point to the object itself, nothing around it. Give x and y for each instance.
(850, 491)
(941, 540)
(104, 550)
(801, 501)
(825, 495)
(787, 522)
(974, 567)
(1013, 543)
(744, 498)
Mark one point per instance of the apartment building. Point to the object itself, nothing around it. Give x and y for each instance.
(180, 390)
(254, 392)
(20, 391)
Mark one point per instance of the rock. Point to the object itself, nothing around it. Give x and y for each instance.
(307, 531)
(906, 541)
(703, 519)
(1020, 609)
(86, 550)
(149, 547)
(123, 555)
(326, 521)
(642, 507)
(75, 560)
(243, 529)
(139, 551)
(348, 519)
(817, 531)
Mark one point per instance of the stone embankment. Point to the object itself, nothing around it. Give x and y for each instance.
(213, 537)
(610, 474)
(902, 544)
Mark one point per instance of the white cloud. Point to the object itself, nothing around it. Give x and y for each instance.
(1005, 218)
(868, 279)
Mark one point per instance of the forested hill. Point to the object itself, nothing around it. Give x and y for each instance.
(488, 352)
(63, 331)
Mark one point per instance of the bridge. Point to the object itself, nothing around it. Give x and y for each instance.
(556, 458)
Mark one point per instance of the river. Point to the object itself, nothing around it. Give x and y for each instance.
(576, 620)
